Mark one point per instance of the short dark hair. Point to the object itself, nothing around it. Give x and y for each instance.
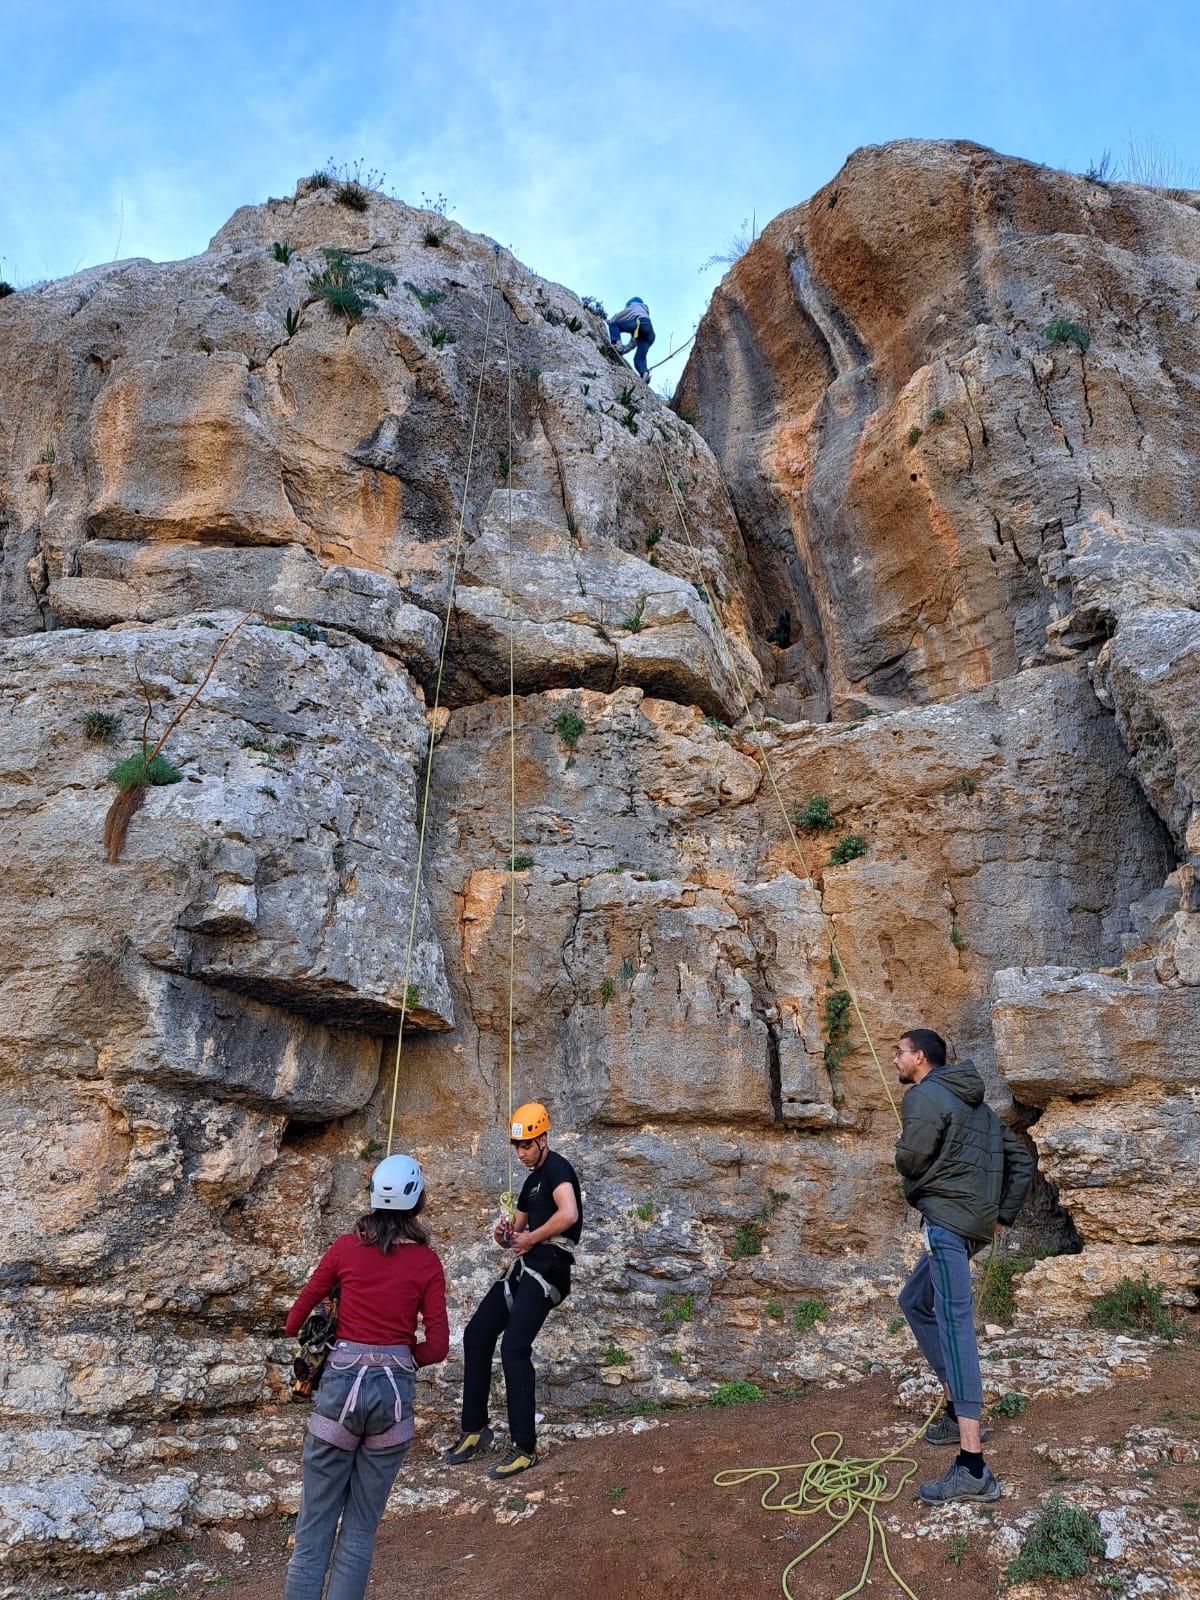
(931, 1045)
(387, 1229)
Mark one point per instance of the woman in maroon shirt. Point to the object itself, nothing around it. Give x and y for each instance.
(362, 1422)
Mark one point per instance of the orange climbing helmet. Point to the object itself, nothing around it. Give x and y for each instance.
(529, 1122)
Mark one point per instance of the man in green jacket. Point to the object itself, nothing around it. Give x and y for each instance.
(966, 1174)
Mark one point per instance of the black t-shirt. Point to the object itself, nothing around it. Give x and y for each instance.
(536, 1199)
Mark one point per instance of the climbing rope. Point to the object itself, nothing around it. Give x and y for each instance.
(841, 1487)
(731, 667)
(654, 366)
(437, 695)
(507, 1199)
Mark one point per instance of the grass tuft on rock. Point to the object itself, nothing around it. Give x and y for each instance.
(144, 770)
(1060, 331)
(347, 284)
(100, 727)
(569, 728)
(815, 815)
(736, 1392)
(997, 1298)
(807, 1314)
(352, 195)
(837, 1028)
(848, 848)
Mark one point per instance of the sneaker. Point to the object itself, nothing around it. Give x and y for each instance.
(517, 1460)
(945, 1431)
(469, 1444)
(959, 1484)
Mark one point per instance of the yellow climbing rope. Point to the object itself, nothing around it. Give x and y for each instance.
(437, 696)
(841, 1487)
(731, 667)
(507, 1199)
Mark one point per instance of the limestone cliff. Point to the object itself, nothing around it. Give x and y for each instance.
(951, 563)
(953, 396)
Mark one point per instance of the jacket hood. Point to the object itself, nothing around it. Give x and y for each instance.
(961, 1079)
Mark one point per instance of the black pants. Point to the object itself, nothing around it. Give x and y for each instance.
(520, 1328)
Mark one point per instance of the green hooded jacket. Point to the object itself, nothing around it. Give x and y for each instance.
(962, 1168)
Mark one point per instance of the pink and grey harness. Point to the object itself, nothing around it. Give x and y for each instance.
(366, 1357)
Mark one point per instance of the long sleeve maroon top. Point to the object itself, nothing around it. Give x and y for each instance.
(381, 1296)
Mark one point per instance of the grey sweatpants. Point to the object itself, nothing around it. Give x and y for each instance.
(939, 1305)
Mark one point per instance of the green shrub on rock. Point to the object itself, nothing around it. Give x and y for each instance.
(1063, 1543)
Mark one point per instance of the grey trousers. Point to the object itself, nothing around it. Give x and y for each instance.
(939, 1306)
(346, 1487)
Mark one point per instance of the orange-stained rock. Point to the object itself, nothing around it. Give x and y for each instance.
(903, 443)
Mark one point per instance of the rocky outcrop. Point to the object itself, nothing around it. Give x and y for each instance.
(952, 396)
(183, 449)
(914, 559)
(904, 443)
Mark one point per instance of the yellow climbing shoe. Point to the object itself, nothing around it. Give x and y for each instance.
(469, 1444)
(517, 1460)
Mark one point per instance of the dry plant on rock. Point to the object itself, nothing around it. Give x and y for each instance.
(148, 767)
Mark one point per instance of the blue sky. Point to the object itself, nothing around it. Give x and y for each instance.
(614, 148)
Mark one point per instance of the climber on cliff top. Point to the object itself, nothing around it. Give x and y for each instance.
(547, 1222)
(634, 321)
(967, 1175)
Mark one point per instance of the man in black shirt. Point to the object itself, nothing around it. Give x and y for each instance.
(546, 1225)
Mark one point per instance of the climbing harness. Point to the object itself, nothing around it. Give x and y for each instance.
(519, 1268)
(731, 668)
(387, 1358)
(841, 1487)
(437, 696)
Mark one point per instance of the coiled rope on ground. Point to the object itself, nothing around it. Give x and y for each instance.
(843, 1487)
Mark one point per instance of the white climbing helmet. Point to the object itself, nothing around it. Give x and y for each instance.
(396, 1184)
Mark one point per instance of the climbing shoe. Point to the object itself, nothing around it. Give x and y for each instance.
(517, 1460)
(945, 1431)
(959, 1484)
(469, 1444)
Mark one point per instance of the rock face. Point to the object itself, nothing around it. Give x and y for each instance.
(917, 458)
(915, 558)
(953, 399)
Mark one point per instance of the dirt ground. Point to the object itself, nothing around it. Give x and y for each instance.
(630, 1516)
